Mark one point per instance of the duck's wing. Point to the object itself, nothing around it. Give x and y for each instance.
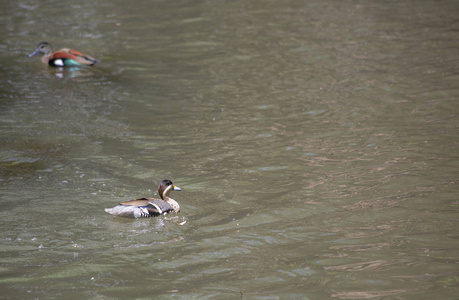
(76, 56)
(129, 211)
(161, 206)
(139, 208)
(138, 202)
(154, 206)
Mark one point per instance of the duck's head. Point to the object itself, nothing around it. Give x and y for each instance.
(165, 187)
(42, 48)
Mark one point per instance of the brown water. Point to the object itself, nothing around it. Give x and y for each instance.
(315, 142)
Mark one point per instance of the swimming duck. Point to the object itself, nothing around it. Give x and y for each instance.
(64, 57)
(149, 207)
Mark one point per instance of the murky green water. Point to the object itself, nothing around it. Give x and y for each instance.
(315, 142)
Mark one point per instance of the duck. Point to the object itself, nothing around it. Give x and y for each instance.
(65, 57)
(149, 207)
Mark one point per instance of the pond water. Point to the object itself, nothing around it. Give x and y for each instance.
(315, 142)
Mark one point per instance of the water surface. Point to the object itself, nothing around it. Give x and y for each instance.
(315, 142)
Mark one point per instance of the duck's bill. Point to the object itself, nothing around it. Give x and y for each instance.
(176, 188)
(34, 53)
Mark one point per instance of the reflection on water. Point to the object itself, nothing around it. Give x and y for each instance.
(315, 144)
(66, 73)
